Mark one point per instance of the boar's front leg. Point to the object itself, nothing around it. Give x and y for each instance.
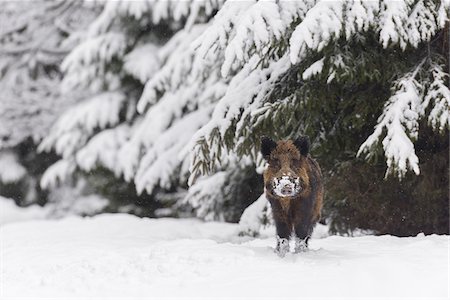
(283, 233)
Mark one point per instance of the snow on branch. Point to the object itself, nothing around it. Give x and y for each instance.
(103, 149)
(399, 126)
(217, 35)
(243, 29)
(102, 48)
(89, 60)
(321, 24)
(422, 23)
(443, 14)
(154, 11)
(397, 22)
(162, 161)
(393, 17)
(408, 22)
(171, 106)
(178, 63)
(207, 195)
(438, 95)
(257, 27)
(359, 16)
(314, 69)
(57, 173)
(142, 62)
(264, 80)
(75, 126)
(162, 125)
(210, 195)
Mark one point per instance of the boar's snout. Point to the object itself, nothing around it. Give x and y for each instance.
(286, 186)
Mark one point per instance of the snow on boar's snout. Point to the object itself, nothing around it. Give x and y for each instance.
(286, 186)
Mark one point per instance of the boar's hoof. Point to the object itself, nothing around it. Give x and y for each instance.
(282, 246)
(300, 245)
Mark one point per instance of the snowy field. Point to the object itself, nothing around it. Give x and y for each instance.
(117, 256)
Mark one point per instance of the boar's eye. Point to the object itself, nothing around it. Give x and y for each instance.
(295, 163)
(275, 163)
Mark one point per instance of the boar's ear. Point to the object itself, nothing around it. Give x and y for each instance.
(267, 145)
(302, 144)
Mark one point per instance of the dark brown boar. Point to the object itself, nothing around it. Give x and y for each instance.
(293, 185)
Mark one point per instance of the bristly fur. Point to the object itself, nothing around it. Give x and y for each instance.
(297, 214)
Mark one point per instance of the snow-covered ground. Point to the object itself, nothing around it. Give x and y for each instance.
(119, 255)
(11, 213)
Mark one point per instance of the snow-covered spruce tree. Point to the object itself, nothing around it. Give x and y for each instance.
(149, 94)
(353, 75)
(33, 41)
